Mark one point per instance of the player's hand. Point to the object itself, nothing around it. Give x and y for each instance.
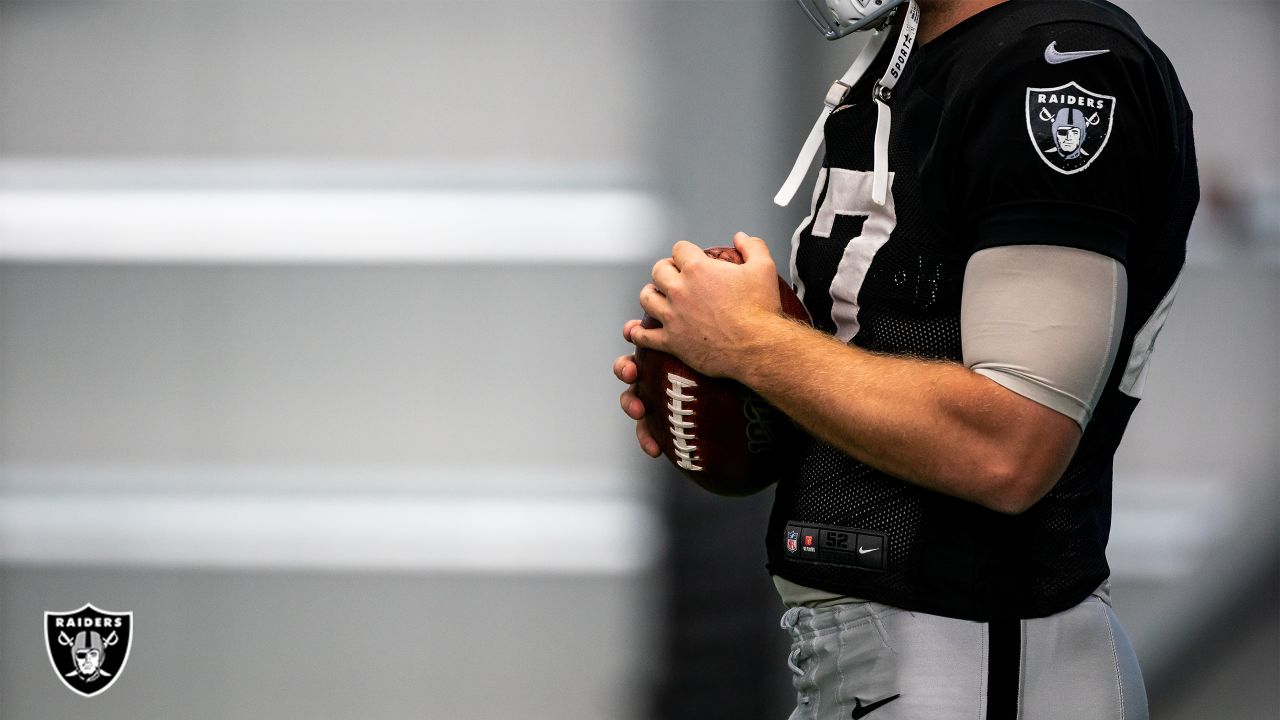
(624, 368)
(709, 309)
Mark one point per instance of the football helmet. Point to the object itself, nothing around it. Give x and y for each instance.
(89, 650)
(837, 18)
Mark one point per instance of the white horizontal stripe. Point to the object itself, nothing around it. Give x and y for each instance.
(452, 480)
(355, 533)
(301, 517)
(328, 226)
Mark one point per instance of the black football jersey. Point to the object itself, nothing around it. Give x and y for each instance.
(1048, 122)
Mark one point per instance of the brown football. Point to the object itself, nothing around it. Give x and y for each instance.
(716, 431)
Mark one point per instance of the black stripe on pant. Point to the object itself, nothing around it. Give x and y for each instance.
(1004, 667)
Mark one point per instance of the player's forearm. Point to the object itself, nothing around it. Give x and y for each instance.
(935, 424)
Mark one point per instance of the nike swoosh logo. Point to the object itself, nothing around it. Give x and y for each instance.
(864, 551)
(1055, 57)
(861, 711)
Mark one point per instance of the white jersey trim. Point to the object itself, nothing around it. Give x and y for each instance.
(1135, 371)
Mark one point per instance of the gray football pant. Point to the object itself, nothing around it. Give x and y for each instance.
(850, 659)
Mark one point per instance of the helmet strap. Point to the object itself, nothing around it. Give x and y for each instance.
(881, 94)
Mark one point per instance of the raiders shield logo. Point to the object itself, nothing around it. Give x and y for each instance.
(1069, 126)
(88, 648)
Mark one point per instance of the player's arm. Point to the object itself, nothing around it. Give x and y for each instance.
(998, 430)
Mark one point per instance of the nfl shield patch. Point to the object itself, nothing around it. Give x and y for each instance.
(88, 648)
(1069, 125)
(793, 541)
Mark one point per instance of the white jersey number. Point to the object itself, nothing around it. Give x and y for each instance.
(848, 193)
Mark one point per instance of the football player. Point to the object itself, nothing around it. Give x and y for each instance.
(993, 243)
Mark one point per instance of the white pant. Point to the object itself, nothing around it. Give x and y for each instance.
(851, 660)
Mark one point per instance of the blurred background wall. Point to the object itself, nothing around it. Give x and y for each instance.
(306, 311)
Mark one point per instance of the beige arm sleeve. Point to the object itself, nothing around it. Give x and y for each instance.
(1045, 322)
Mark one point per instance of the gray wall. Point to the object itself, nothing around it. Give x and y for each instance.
(418, 385)
(497, 83)
(130, 386)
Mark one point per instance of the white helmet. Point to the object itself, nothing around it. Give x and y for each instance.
(841, 17)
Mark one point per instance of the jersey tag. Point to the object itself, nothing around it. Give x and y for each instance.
(863, 549)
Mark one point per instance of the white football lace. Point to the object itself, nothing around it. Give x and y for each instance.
(685, 449)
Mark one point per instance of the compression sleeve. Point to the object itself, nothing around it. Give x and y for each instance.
(1045, 322)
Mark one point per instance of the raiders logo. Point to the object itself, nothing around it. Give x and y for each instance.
(88, 648)
(1069, 126)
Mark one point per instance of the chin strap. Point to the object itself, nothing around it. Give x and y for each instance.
(834, 97)
(881, 94)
